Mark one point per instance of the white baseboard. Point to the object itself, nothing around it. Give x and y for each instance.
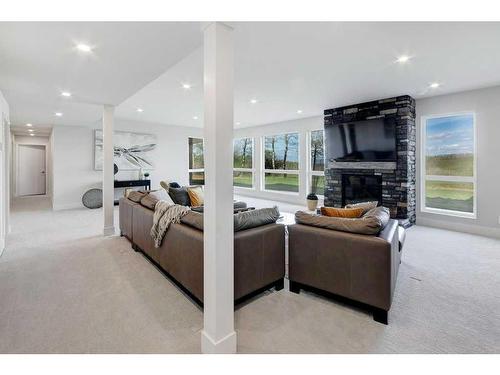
(459, 227)
(226, 345)
(66, 206)
(109, 231)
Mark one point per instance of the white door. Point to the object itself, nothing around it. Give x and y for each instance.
(31, 170)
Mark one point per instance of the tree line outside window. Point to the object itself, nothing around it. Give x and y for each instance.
(281, 162)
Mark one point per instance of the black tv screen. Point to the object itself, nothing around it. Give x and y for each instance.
(368, 140)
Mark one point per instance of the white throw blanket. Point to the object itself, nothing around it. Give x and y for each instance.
(165, 214)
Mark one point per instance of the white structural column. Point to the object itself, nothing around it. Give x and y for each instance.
(108, 192)
(218, 335)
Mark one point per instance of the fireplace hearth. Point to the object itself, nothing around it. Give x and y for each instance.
(357, 188)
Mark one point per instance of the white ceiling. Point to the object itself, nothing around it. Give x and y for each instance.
(39, 60)
(285, 66)
(316, 66)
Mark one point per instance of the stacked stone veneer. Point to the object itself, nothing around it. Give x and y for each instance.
(398, 179)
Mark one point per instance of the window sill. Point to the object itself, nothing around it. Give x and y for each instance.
(439, 211)
(292, 193)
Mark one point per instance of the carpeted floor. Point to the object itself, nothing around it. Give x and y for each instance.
(66, 289)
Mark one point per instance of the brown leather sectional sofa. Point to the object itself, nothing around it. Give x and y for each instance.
(259, 253)
(359, 267)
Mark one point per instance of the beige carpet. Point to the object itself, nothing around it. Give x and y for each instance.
(66, 289)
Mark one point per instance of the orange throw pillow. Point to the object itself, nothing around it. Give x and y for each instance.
(350, 213)
(196, 196)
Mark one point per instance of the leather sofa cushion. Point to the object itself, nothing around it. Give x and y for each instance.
(193, 219)
(366, 206)
(136, 196)
(342, 212)
(179, 196)
(242, 220)
(371, 223)
(149, 200)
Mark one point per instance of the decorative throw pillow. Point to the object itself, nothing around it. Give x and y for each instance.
(196, 195)
(136, 196)
(342, 212)
(366, 206)
(165, 184)
(255, 218)
(179, 196)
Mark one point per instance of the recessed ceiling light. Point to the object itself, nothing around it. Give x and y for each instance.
(403, 59)
(434, 85)
(32, 134)
(29, 125)
(253, 101)
(58, 114)
(299, 111)
(140, 110)
(66, 94)
(238, 123)
(186, 86)
(83, 47)
(30, 130)
(195, 117)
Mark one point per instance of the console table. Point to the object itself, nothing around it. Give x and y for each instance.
(131, 183)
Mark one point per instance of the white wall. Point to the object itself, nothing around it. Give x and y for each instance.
(4, 170)
(302, 126)
(36, 140)
(486, 104)
(73, 159)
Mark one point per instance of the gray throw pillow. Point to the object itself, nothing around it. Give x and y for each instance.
(255, 218)
(180, 196)
(242, 220)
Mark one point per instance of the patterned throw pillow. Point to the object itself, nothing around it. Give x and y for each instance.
(350, 213)
(196, 195)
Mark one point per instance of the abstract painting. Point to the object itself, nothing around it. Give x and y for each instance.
(132, 151)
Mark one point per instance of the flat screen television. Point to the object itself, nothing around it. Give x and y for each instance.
(368, 140)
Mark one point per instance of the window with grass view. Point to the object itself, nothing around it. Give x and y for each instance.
(449, 175)
(317, 163)
(196, 162)
(243, 163)
(281, 163)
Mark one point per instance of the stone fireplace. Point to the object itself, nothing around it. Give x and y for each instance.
(391, 183)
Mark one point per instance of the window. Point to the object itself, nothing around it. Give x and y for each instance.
(316, 171)
(448, 165)
(243, 163)
(281, 163)
(196, 162)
